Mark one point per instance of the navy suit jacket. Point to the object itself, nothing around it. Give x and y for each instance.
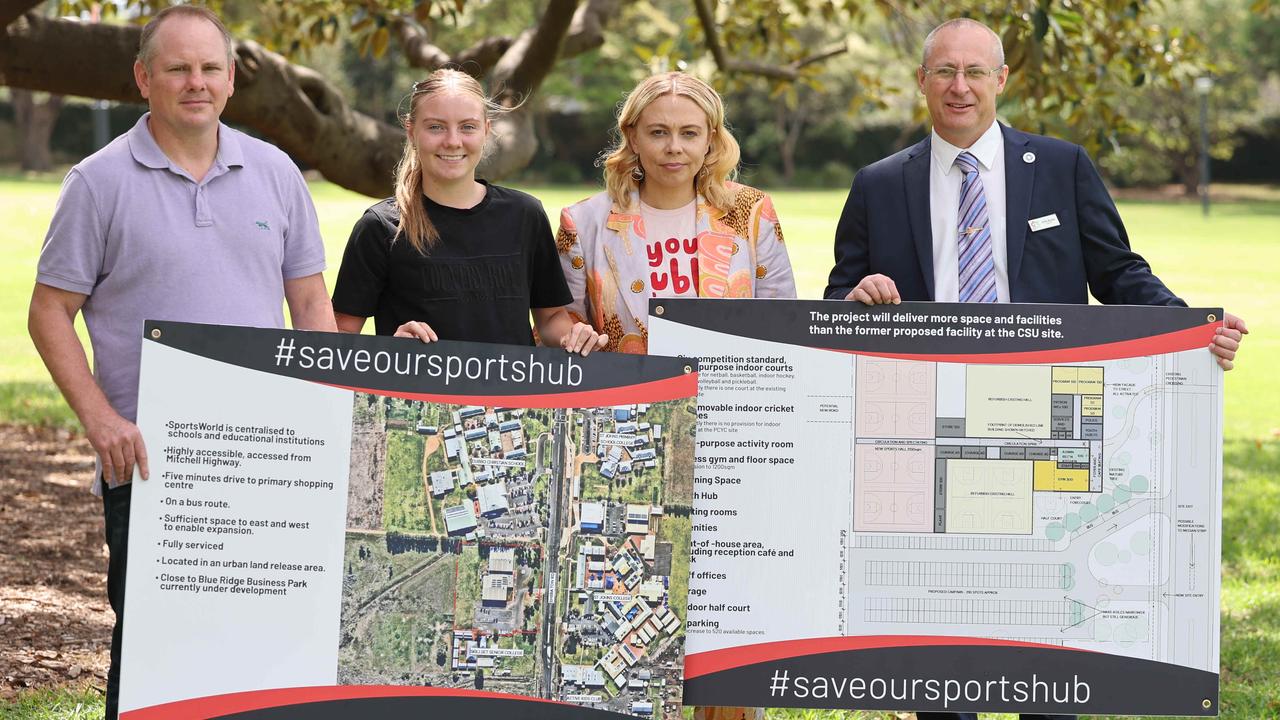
(885, 228)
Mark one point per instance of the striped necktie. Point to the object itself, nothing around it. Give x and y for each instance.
(977, 269)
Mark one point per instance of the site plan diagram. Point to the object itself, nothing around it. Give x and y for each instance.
(960, 480)
(1082, 486)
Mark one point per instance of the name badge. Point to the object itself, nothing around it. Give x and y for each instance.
(1044, 223)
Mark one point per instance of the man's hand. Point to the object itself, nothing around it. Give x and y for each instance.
(416, 329)
(118, 443)
(1227, 339)
(875, 290)
(582, 338)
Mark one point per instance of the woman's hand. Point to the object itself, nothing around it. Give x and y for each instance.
(582, 339)
(416, 329)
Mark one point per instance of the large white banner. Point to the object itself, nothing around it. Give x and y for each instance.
(953, 507)
(374, 527)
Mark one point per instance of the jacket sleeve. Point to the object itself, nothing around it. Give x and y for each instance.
(574, 263)
(773, 274)
(851, 246)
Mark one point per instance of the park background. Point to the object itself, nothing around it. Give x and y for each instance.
(814, 89)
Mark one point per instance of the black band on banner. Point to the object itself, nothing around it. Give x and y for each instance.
(358, 701)
(945, 674)
(460, 372)
(955, 332)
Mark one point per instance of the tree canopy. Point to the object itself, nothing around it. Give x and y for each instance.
(1074, 64)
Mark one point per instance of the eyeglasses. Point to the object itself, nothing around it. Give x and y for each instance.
(947, 74)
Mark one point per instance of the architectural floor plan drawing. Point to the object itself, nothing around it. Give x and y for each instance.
(949, 448)
(994, 496)
(1080, 484)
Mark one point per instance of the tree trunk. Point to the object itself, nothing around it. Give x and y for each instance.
(514, 145)
(786, 151)
(790, 125)
(1189, 174)
(34, 122)
(293, 106)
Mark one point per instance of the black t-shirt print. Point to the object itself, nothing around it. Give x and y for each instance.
(492, 263)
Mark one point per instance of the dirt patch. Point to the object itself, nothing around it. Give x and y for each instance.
(55, 623)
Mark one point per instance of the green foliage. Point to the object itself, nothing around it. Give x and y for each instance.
(1074, 63)
(1166, 113)
(675, 530)
(405, 499)
(1251, 579)
(1113, 76)
(1263, 30)
(399, 641)
(66, 703)
(35, 403)
(468, 587)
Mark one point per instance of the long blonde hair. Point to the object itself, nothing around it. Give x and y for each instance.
(720, 164)
(414, 223)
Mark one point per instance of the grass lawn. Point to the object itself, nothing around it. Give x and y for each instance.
(404, 506)
(1229, 260)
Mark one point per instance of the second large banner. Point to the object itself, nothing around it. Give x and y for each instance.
(934, 506)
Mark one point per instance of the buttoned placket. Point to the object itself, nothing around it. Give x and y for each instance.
(202, 214)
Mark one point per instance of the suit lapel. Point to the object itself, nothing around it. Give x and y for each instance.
(1018, 178)
(915, 177)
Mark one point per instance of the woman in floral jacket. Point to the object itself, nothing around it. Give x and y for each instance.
(671, 222)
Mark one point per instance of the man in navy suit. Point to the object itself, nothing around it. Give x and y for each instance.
(1048, 223)
(1039, 227)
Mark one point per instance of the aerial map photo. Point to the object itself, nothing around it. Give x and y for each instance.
(537, 552)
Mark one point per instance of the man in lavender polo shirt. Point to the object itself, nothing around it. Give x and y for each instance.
(181, 218)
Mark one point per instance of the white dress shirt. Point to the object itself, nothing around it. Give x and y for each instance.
(945, 180)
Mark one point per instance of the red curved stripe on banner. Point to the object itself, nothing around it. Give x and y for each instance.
(217, 705)
(714, 661)
(1194, 338)
(672, 388)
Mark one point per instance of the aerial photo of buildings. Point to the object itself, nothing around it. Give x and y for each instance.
(539, 552)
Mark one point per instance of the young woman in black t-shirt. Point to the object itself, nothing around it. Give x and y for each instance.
(451, 256)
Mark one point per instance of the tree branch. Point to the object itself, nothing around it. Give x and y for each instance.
(586, 32)
(67, 57)
(476, 60)
(480, 58)
(308, 118)
(528, 61)
(293, 106)
(296, 108)
(833, 50)
(11, 10)
(707, 18)
(790, 71)
(418, 51)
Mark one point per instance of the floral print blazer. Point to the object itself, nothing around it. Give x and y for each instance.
(602, 251)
